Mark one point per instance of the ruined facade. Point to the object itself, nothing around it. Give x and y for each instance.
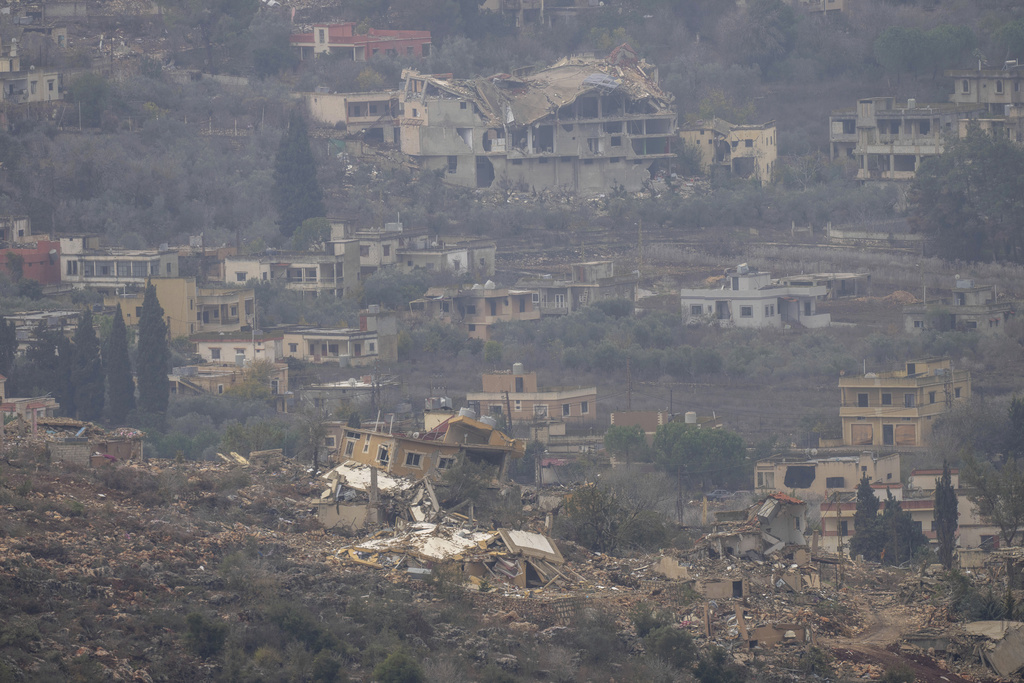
(971, 307)
(747, 151)
(586, 125)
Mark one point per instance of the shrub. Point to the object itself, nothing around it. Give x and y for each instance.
(645, 619)
(901, 673)
(398, 668)
(672, 645)
(205, 636)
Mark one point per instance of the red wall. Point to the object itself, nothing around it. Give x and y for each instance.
(39, 264)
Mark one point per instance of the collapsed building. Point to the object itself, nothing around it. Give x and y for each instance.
(583, 124)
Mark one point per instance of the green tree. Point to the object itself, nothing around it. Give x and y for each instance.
(120, 383)
(256, 435)
(312, 232)
(946, 516)
(998, 494)
(766, 33)
(297, 193)
(709, 456)
(92, 93)
(492, 352)
(866, 540)
(87, 370)
(627, 443)
(1008, 40)
(899, 532)
(1014, 447)
(154, 356)
(969, 199)
(207, 23)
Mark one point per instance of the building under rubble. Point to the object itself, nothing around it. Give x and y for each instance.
(582, 124)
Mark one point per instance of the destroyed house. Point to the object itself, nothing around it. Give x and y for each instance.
(771, 525)
(583, 124)
(476, 309)
(819, 477)
(587, 283)
(971, 307)
(422, 454)
(517, 391)
(747, 151)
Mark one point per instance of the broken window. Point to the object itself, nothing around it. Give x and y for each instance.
(835, 482)
(382, 455)
(349, 447)
(445, 463)
(540, 410)
(799, 476)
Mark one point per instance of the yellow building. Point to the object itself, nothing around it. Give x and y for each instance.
(815, 479)
(898, 408)
(747, 151)
(189, 309)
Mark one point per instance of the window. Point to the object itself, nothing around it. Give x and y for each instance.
(584, 408)
(364, 250)
(616, 141)
(972, 324)
(445, 463)
(366, 444)
(382, 455)
(138, 311)
(472, 327)
(956, 392)
(471, 309)
(372, 347)
(413, 459)
(387, 250)
(746, 311)
(332, 349)
(540, 411)
(909, 400)
(519, 385)
(321, 33)
(696, 309)
(835, 482)
(522, 305)
(32, 87)
(931, 397)
(862, 400)
(844, 528)
(919, 324)
(49, 86)
(240, 352)
(566, 409)
(999, 87)
(517, 405)
(767, 311)
(329, 441)
(886, 399)
(220, 388)
(748, 143)
(453, 164)
(293, 348)
(349, 447)
(215, 354)
(462, 105)
(965, 86)
(240, 276)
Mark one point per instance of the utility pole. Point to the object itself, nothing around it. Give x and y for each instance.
(508, 407)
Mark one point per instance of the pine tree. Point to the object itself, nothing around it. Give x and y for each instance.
(120, 383)
(63, 386)
(297, 193)
(899, 533)
(865, 523)
(87, 370)
(946, 515)
(154, 356)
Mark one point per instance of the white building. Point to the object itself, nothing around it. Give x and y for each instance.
(750, 298)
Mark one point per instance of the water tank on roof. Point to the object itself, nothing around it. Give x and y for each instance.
(239, 359)
(467, 412)
(742, 269)
(912, 103)
(373, 309)
(690, 417)
(489, 421)
(489, 284)
(517, 368)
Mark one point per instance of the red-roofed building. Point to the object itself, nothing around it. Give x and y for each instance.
(41, 261)
(341, 39)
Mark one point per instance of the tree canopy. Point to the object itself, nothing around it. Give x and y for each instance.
(120, 383)
(154, 356)
(704, 455)
(87, 371)
(297, 192)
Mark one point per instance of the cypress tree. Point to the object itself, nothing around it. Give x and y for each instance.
(120, 383)
(63, 388)
(946, 515)
(296, 192)
(154, 356)
(8, 346)
(866, 539)
(87, 370)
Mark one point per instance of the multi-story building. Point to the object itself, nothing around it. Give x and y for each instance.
(334, 271)
(458, 256)
(750, 298)
(587, 283)
(971, 307)
(190, 309)
(39, 260)
(16, 229)
(378, 248)
(889, 139)
(999, 92)
(341, 41)
(376, 339)
(239, 347)
(517, 391)
(586, 125)
(898, 408)
(747, 151)
(818, 478)
(29, 85)
(87, 265)
(478, 308)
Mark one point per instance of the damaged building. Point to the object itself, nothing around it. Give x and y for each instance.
(583, 124)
